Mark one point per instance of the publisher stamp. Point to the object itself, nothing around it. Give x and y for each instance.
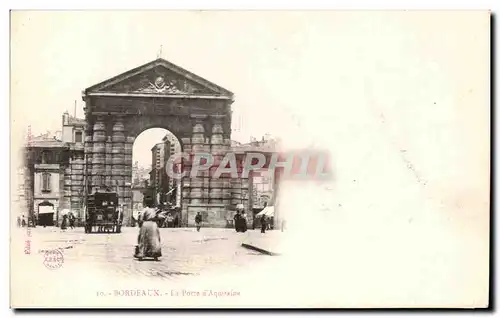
(53, 259)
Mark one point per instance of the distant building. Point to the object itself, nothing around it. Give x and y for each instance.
(165, 189)
(175, 147)
(54, 172)
(158, 177)
(139, 174)
(263, 182)
(263, 189)
(261, 186)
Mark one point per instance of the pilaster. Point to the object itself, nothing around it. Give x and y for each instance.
(98, 152)
(118, 157)
(197, 189)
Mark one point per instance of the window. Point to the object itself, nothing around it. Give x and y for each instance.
(45, 157)
(78, 136)
(46, 182)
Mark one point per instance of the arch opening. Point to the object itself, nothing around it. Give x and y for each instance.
(151, 150)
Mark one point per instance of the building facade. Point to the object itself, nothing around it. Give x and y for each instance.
(54, 172)
(47, 157)
(167, 190)
(263, 181)
(174, 186)
(159, 179)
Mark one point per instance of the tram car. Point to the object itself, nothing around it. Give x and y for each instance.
(103, 214)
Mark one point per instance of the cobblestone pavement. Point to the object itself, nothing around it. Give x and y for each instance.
(95, 267)
(186, 252)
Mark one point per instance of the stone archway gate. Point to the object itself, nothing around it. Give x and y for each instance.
(159, 94)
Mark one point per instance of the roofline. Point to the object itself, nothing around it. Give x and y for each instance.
(107, 94)
(38, 144)
(152, 64)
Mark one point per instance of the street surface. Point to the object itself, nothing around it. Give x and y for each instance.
(185, 251)
(95, 268)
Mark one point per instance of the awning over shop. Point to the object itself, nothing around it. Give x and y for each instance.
(45, 207)
(268, 211)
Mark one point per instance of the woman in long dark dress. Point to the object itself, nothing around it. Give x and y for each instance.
(149, 243)
(64, 223)
(243, 221)
(237, 223)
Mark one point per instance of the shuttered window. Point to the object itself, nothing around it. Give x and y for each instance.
(46, 182)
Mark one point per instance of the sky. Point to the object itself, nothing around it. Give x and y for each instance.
(399, 99)
(311, 78)
(79, 49)
(141, 151)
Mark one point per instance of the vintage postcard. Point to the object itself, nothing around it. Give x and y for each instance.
(260, 159)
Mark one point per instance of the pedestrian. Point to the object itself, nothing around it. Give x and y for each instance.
(170, 220)
(64, 223)
(243, 221)
(149, 242)
(263, 224)
(237, 223)
(23, 221)
(18, 221)
(198, 220)
(71, 219)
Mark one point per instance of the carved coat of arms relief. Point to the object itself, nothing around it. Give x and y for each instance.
(160, 85)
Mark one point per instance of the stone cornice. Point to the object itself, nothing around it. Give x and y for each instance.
(181, 96)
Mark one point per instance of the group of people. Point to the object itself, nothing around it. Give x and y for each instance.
(165, 219)
(68, 220)
(240, 220)
(21, 221)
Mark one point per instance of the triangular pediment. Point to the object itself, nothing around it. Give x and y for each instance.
(159, 77)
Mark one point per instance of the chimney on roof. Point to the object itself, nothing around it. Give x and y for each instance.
(65, 118)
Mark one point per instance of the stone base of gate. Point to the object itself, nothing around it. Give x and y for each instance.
(214, 215)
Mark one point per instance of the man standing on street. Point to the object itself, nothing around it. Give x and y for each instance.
(198, 220)
(263, 224)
